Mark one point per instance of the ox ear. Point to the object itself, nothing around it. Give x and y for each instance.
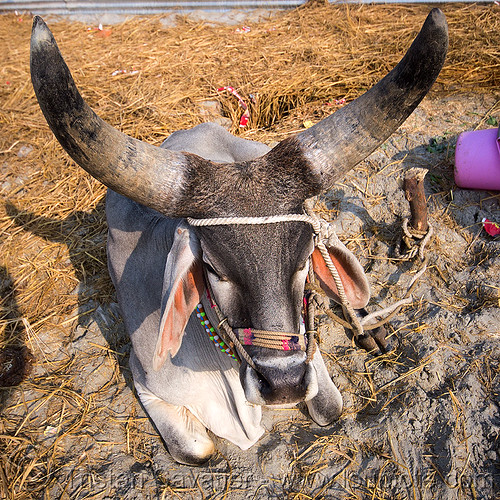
(182, 288)
(352, 275)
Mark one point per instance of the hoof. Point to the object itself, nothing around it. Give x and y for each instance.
(185, 458)
(195, 452)
(375, 341)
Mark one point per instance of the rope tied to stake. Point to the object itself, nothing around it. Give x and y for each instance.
(411, 234)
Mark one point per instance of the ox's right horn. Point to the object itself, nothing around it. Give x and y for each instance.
(336, 144)
(145, 173)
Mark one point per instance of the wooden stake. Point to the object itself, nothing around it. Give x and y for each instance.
(415, 194)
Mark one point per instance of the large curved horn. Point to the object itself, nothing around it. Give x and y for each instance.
(145, 173)
(336, 144)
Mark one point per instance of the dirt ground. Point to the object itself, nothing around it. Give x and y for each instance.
(421, 422)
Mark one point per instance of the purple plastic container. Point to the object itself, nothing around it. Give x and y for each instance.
(477, 160)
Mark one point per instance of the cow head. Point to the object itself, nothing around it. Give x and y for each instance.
(257, 273)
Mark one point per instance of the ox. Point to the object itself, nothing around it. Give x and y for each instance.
(163, 263)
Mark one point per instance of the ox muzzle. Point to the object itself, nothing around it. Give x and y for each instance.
(278, 378)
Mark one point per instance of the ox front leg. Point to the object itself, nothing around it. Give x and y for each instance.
(185, 436)
(326, 406)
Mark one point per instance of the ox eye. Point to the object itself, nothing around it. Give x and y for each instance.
(212, 271)
(302, 265)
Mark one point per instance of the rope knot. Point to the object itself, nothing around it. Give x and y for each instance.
(327, 234)
(324, 231)
(415, 240)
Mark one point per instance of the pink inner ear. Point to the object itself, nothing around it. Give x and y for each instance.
(186, 296)
(351, 274)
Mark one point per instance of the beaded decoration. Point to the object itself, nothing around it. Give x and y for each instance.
(202, 316)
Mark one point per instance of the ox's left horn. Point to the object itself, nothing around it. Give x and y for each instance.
(143, 172)
(336, 144)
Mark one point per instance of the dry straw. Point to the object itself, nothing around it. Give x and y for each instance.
(296, 65)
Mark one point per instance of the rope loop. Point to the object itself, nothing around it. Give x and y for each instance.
(270, 219)
(410, 235)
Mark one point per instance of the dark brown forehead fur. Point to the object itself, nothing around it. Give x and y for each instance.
(277, 183)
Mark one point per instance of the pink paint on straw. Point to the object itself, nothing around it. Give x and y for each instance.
(245, 117)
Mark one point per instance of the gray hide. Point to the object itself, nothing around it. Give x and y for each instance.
(205, 387)
(158, 263)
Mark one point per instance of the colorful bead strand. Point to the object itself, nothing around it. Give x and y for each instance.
(202, 316)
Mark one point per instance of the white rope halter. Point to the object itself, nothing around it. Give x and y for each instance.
(323, 231)
(271, 219)
(324, 236)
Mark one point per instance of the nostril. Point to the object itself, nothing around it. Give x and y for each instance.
(277, 384)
